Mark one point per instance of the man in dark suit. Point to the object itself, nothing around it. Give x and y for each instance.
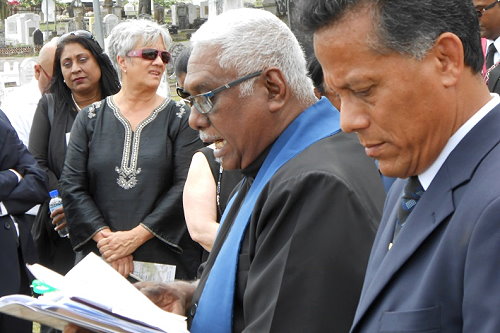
(415, 96)
(22, 185)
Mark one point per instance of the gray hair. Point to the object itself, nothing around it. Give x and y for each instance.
(129, 34)
(252, 40)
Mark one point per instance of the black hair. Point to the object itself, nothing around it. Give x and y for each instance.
(406, 26)
(181, 62)
(316, 74)
(109, 82)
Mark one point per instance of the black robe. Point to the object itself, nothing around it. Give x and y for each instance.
(304, 254)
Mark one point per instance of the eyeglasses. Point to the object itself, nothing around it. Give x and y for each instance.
(79, 33)
(151, 54)
(480, 11)
(45, 72)
(203, 102)
(181, 92)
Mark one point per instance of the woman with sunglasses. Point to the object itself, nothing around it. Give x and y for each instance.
(82, 74)
(127, 163)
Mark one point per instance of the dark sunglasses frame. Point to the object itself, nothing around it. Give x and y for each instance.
(151, 54)
(181, 92)
(487, 7)
(79, 33)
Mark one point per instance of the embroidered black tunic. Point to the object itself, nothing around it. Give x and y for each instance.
(118, 178)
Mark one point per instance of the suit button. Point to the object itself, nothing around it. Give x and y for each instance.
(192, 312)
(6, 225)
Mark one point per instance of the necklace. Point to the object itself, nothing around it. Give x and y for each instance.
(76, 104)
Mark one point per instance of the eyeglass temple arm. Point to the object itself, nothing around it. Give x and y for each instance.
(233, 83)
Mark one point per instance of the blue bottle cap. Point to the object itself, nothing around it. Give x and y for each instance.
(54, 193)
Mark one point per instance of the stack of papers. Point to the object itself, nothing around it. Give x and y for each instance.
(94, 296)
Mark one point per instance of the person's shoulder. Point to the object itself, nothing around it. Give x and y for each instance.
(90, 112)
(176, 110)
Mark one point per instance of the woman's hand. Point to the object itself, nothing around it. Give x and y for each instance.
(122, 243)
(124, 265)
(58, 218)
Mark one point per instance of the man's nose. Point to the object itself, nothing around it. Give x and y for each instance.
(198, 121)
(353, 117)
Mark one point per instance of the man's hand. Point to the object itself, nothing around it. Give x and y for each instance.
(173, 297)
(58, 218)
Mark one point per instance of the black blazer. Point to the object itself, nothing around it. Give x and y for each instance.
(17, 197)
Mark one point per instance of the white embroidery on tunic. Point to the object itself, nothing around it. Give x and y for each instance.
(181, 111)
(92, 107)
(128, 170)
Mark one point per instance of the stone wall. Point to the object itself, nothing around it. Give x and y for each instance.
(18, 51)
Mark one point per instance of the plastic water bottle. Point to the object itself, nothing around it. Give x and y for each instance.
(54, 203)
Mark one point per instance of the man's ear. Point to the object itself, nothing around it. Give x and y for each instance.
(277, 89)
(37, 71)
(448, 51)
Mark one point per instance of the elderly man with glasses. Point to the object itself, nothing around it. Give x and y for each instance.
(294, 240)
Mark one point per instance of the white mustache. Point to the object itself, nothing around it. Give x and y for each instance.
(207, 137)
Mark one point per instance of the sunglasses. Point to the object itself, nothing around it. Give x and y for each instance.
(79, 33)
(150, 54)
(480, 11)
(203, 103)
(181, 92)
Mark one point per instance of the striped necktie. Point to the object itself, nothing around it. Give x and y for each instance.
(412, 193)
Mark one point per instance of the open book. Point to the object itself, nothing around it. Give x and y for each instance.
(94, 296)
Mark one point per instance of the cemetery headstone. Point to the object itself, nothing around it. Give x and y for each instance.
(38, 38)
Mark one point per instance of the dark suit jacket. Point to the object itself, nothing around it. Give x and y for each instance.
(442, 274)
(494, 80)
(18, 197)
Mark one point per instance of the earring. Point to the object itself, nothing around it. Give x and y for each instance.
(64, 81)
(124, 71)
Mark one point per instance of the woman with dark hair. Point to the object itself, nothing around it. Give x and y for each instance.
(82, 74)
(127, 162)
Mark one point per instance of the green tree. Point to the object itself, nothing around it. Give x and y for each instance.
(165, 3)
(3, 10)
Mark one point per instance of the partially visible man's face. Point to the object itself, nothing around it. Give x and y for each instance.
(44, 68)
(489, 21)
(392, 102)
(233, 124)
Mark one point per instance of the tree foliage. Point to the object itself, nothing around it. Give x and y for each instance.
(165, 3)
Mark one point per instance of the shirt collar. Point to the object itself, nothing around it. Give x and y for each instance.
(428, 175)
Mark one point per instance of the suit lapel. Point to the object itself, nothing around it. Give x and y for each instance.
(423, 220)
(432, 209)
(493, 80)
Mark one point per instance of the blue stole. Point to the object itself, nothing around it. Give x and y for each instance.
(215, 307)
